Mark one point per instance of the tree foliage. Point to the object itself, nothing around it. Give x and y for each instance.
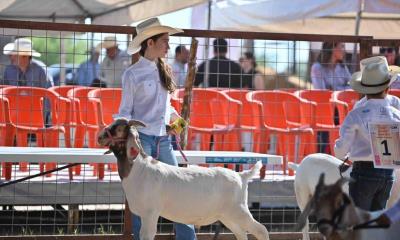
(75, 49)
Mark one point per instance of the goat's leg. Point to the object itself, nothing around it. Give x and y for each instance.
(235, 228)
(249, 224)
(149, 226)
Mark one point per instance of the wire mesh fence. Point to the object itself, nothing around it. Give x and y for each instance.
(247, 86)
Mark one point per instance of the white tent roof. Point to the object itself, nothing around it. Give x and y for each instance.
(108, 12)
(380, 19)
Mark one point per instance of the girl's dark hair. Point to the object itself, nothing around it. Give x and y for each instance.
(325, 55)
(163, 70)
(250, 55)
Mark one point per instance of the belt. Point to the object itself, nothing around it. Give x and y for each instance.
(363, 164)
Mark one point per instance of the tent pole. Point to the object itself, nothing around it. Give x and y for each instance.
(356, 33)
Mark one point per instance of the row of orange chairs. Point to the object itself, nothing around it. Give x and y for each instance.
(220, 115)
(85, 109)
(293, 116)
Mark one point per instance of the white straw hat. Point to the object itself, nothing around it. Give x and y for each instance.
(108, 42)
(147, 29)
(375, 75)
(21, 46)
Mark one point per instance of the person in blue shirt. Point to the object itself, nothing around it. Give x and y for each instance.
(23, 71)
(146, 89)
(90, 69)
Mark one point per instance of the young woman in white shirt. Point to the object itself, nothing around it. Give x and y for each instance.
(147, 86)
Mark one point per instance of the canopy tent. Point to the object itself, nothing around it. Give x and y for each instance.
(380, 19)
(107, 12)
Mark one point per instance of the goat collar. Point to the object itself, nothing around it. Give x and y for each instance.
(338, 215)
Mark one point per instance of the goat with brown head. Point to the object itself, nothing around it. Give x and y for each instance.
(117, 136)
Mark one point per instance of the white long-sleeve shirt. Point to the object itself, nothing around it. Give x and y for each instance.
(354, 139)
(391, 99)
(144, 98)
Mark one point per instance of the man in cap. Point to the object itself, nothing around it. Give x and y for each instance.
(372, 186)
(24, 70)
(114, 63)
(90, 69)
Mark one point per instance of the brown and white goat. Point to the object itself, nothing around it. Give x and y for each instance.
(309, 171)
(338, 218)
(193, 195)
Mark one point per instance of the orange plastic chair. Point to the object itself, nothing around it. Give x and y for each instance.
(348, 99)
(283, 114)
(325, 112)
(85, 116)
(106, 102)
(63, 90)
(248, 120)
(86, 122)
(215, 113)
(395, 92)
(26, 107)
(7, 134)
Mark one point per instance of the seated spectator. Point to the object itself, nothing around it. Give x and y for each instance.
(90, 69)
(329, 72)
(23, 70)
(251, 77)
(9, 50)
(223, 72)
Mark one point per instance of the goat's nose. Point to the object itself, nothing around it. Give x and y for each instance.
(325, 229)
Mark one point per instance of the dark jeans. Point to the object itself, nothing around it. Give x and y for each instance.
(371, 187)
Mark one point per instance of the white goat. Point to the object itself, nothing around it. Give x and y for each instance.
(338, 218)
(194, 195)
(307, 175)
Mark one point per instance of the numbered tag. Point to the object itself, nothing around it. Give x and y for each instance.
(385, 144)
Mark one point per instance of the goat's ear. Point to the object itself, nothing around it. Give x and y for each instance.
(343, 180)
(308, 210)
(321, 183)
(132, 146)
(136, 123)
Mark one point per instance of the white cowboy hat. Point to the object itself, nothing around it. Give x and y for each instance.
(147, 29)
(375, 75)
(21, 46)
(108, 42)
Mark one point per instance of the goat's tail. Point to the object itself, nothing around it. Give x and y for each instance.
(253, 171)
(293, 166)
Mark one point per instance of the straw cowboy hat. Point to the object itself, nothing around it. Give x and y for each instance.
(147, 29)
(22, 47)
(375, 75)
(108, 42)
